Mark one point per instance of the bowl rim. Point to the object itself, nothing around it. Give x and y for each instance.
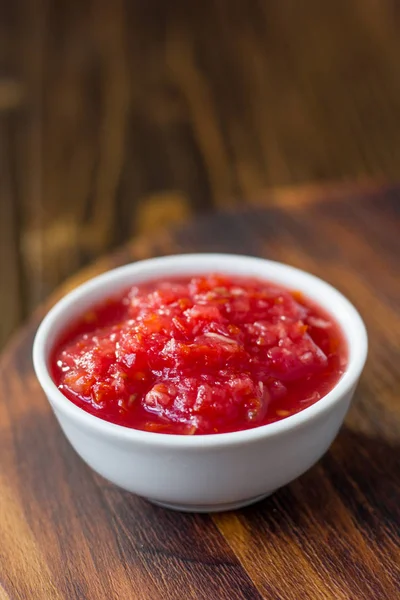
(187, 264)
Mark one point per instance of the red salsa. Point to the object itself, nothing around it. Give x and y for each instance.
(200, 355)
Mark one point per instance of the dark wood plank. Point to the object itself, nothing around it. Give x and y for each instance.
(332, 534)
(127, 116)
(10, 264)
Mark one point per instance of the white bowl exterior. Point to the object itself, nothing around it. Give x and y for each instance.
(207, 476)
(214, 469)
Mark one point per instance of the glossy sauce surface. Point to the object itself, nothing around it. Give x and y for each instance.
(200, 355)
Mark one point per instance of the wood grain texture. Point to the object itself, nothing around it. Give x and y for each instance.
(334, 534)
(118, 117)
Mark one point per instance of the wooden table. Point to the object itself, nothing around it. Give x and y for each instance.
(333, 534)
(116, 115)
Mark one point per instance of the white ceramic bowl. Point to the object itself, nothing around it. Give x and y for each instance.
(203, 472)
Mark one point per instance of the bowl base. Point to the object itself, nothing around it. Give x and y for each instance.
(210, 508)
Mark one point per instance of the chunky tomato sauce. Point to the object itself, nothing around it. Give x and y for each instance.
(200, 355)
